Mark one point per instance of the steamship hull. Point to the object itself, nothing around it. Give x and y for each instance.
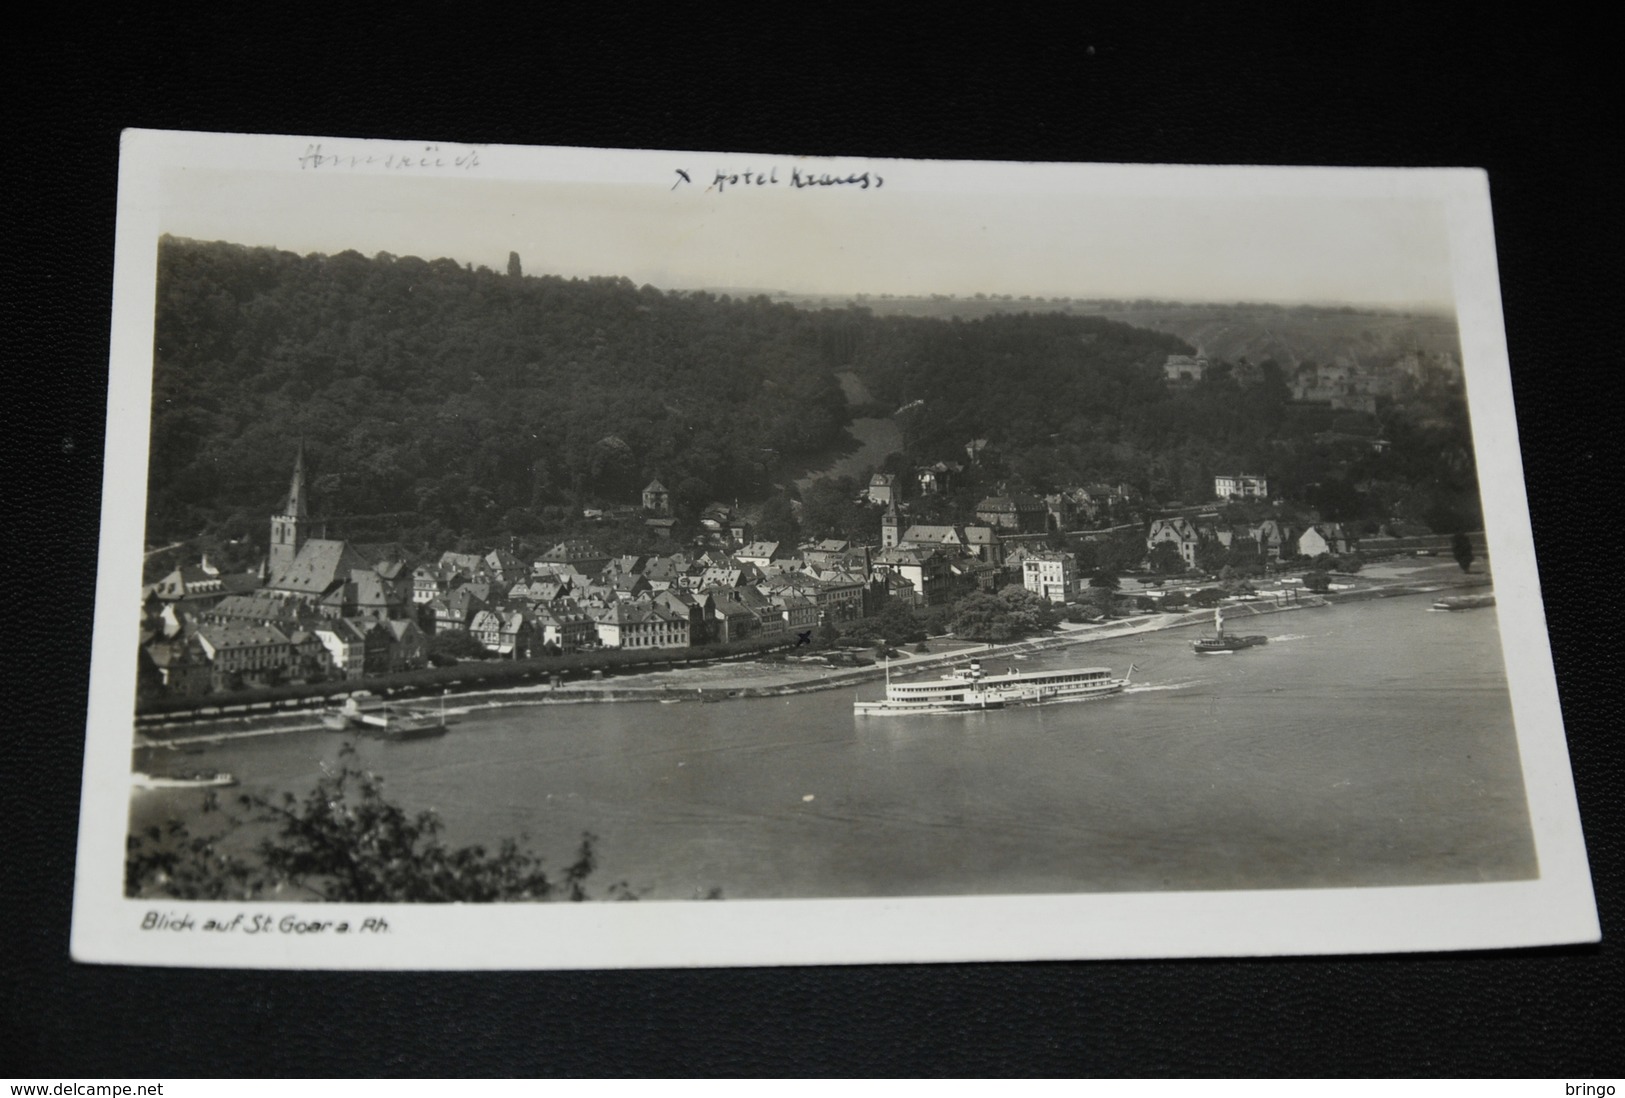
(969, 690)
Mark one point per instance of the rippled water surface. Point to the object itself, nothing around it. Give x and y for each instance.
(1370, 744)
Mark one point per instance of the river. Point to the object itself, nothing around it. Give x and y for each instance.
(1366, 744)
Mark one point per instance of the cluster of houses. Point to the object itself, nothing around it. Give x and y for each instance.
(1343, 385)
(1274, 539)
(1355, 386)
(1010, 514)
(322, 608)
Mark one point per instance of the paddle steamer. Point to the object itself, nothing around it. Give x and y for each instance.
(968, 689)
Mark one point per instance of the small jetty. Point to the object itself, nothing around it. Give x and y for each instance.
(371, 716)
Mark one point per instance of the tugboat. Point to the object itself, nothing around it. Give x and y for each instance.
(1221, 642)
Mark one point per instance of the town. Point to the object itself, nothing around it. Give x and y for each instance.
(575, 475)
(320, 609)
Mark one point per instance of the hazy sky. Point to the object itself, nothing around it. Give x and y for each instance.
(928, 229)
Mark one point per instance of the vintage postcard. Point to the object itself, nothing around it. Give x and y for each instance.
(519, 557)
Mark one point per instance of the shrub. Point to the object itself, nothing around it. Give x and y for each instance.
(346, 842)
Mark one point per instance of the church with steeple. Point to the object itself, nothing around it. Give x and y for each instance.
(291, 526)
(890, 526)
(335, 578)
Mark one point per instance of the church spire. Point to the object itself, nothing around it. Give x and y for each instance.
(287, 529)
(296, 487)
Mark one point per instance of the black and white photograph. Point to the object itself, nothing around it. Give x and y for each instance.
(522, 557)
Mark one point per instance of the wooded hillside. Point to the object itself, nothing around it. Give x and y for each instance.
(462, 394)
(437, 401)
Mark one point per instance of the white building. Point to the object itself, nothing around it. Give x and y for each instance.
(1241, 486)
(346, 646)
(1324, 538)
(629, 625)
(1051, 576)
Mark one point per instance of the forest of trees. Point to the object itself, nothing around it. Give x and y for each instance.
(459, 396)
(463, 397)
(440, 402)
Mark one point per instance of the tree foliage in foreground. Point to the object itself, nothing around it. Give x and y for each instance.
(345, 841)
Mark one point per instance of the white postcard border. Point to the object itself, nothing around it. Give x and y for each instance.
(1556, 908)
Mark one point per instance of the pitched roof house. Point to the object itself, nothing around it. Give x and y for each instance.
(199, 586)
(584, 556)
(505, 566)
(926, 569)
(920, 534)
(563, 624)
(346, 645)
(728, 618)
(759, 553)
(321, 569)
(260, 606)
(1323, 538)
(469, 564)
(1273, 538)
(505, 632)
(255, 652)
(1019, 513)
(1179, 532)
(656, 498)
(883, 488)
(411, 646)
(662, 573)
(632, 625)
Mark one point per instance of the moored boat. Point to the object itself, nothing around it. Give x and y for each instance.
(1463, 602)
(406, 725)
(1221, 641)
(970, 689)
(201, 779)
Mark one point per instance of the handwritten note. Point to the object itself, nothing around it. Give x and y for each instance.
(428, 158)
(796, 178)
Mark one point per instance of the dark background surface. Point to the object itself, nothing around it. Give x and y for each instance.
(1525, 100)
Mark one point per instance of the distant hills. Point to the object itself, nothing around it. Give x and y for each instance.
(1290, 335)
(1293, 336)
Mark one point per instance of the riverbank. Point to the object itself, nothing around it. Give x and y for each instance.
(707, 685)
(1366, 744)
(715, 683)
